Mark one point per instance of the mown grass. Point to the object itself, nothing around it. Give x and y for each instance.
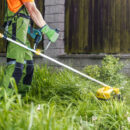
(62, 100)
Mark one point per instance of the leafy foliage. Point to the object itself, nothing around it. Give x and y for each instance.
(109, 71)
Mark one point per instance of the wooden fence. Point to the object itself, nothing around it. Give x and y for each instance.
(97, 26)
(92, 26)
(40, 5)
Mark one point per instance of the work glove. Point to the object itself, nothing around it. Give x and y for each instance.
(50, 33)
(34, 33)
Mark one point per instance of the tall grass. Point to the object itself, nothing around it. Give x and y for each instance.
(62, 100)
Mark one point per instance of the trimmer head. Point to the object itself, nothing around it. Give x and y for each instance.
(107, 93)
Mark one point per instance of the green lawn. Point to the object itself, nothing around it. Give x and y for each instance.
(62, 100)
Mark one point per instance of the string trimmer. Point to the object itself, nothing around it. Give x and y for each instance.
(102, 93)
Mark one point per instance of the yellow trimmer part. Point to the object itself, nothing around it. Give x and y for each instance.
(107, 92)
(38, 51)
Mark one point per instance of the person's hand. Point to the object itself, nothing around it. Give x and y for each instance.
(52, 34)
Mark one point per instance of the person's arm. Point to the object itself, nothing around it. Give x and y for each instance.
(39, 21)
(35, 14)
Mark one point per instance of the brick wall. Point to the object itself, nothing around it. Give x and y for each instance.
(54, 16)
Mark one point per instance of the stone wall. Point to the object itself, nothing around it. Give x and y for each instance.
(54, 16)
(79, 61)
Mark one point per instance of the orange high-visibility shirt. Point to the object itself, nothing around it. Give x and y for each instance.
(14, 5)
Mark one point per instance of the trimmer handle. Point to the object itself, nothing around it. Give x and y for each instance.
(57, 30)
(37, 40)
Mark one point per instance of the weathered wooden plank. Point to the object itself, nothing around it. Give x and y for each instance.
(90, 26)
(75, 14)
(112, 26)
(123, 32)
(116, 34)
(105, 42)
(95, 37)
(2, 42)
(81, 26)
(127, 45)
(100, 25)
(67, 22)
(85, 24)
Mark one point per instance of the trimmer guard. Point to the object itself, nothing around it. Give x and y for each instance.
(107, 92)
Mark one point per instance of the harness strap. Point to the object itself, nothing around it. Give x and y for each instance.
(8, 22)
(19, 14)
(14, 31)
(23, 15)
(19, 10)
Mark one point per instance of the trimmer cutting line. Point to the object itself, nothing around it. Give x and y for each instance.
(102, 93)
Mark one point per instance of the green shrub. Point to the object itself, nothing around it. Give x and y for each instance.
(109, 71)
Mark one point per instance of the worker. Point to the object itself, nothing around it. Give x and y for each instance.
(17, 23)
